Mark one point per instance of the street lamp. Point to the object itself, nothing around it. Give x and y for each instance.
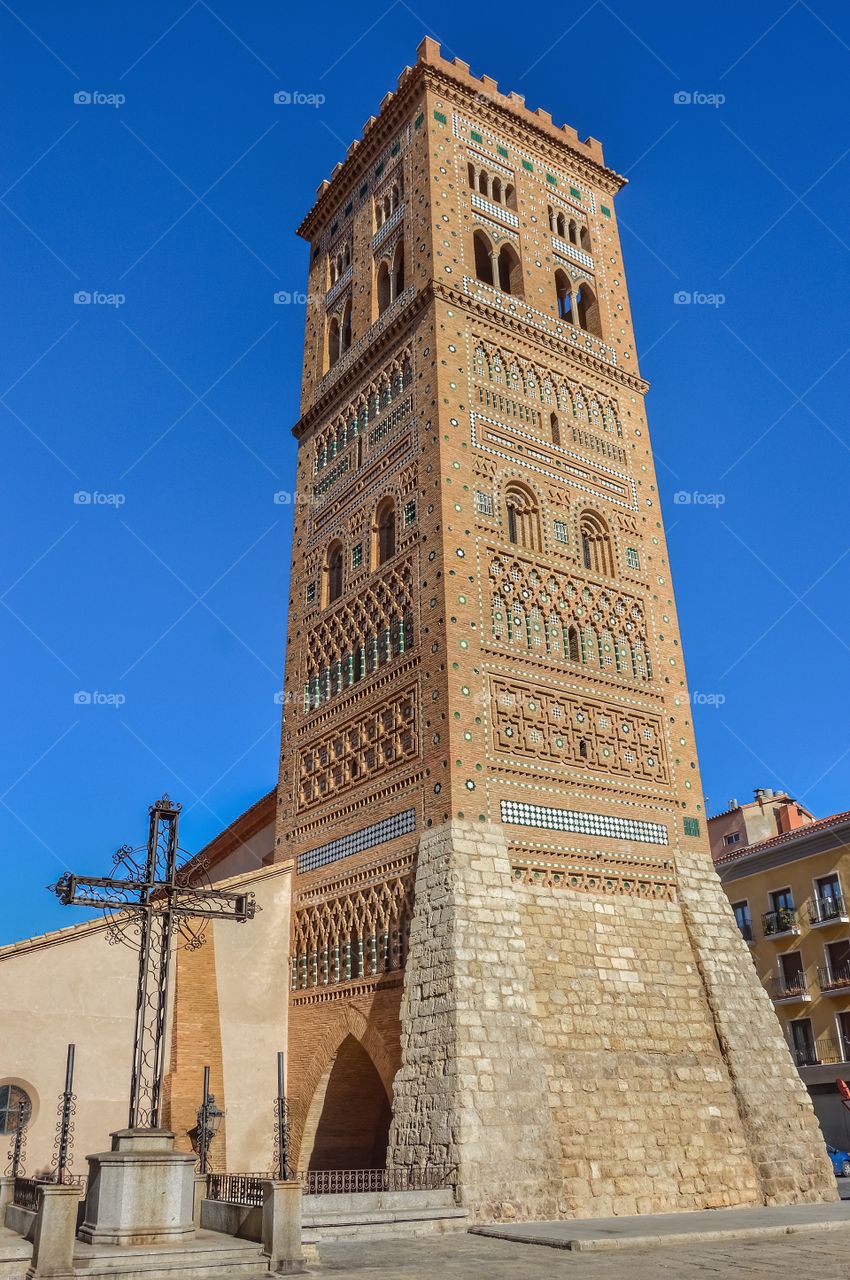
(209, 1122)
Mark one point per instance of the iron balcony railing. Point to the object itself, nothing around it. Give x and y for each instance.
(837, 979)
(782, 921)
(791, 987)
(824, 910)
(25, 1193)
(237, 1188)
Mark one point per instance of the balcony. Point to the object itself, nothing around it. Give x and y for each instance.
(835, 982)
(780, 924)
(831, 910)
(790, 990)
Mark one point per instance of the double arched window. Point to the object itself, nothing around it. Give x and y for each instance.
(383, 532)
(390, 282)
(577, 304)
(597, 551)
(388, 202)
(522, 516)
(493, 186)
(339, 334)
(501, 269)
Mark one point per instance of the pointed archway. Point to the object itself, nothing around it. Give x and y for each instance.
(348, 1121)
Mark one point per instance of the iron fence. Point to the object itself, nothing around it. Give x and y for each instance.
(25, 1194)
(836, 979)
(825, 910)
(782, 921)
(792, 986)
(237, 1188)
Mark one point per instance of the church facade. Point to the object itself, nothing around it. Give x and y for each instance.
(511, 958)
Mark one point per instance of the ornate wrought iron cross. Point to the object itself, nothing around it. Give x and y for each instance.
(157, 898)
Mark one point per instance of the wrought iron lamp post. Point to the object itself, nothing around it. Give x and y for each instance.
(210, 1117)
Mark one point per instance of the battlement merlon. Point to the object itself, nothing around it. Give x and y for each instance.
(430, 63)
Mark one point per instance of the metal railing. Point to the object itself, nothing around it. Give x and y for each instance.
(792, 987)
(782, 921)
(237, 1188)
(834, 979)
(247, 1188)
(329, 1182)
(25, 1194)
(823, 910)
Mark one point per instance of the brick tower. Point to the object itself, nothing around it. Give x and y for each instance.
(511, 956)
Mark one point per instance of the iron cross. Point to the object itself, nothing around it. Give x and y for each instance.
(157, 898)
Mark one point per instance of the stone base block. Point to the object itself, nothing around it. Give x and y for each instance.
(141, 1192)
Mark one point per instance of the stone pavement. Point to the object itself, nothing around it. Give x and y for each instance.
(470, 1257)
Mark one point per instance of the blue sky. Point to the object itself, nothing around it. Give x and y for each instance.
(172, 399)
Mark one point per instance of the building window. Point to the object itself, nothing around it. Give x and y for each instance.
(523, 517)
(829, 901)
(596, 551)
(409, 513)
(333, 573)
(744, 920)
(510, 271)
(383, 532)
(483, 503)
(691, 826)
(357, 556)
(632, 558)
(15, 1106)
(484, 257)
(802, 1042)
(561, 532)
(310, 593)
(564, 295)
(734, 837)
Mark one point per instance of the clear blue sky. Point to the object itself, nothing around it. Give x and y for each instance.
(184, 199)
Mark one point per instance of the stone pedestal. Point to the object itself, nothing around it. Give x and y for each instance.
(282, 1227)
(141, 1192)
(55, 1228)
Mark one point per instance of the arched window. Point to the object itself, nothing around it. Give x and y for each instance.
(573, 229)
(470, 174)
(383, 532)
(333, 341)
(555, 428)
(551, 218)
(510, 196)
(597, 552)
(15, 1108)
(523, 517)
(483, 257)
(497, 190)
(588, 311)
(584, 239)
(561, 225)
(573, 645)
(333, 572)
(383, 287)
(510, 272)
(394, 198)
(345, 330)
(398, 271)
(483, 183)
(564, 294)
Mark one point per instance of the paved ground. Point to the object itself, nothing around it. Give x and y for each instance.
(466, 1257)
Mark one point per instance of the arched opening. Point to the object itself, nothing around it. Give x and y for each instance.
(470, 174)
(573, 231)
(564, 294)
(483, 257)
(555, 428)
(561, 225)
(345, 330)
(398, 271)
(584, 237)
(15, 1108)
(510, 272)
(597, 553)
(573, 648)
(348, 1120)
(333, 341)
(523, 517)
(333, 572)
(551, 212)
(588, 311)
(383, 287)
(497, 190)
(383, 534)
(483, 183)
(510, 196)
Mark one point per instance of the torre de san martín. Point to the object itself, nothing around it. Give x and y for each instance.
(511, 958)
